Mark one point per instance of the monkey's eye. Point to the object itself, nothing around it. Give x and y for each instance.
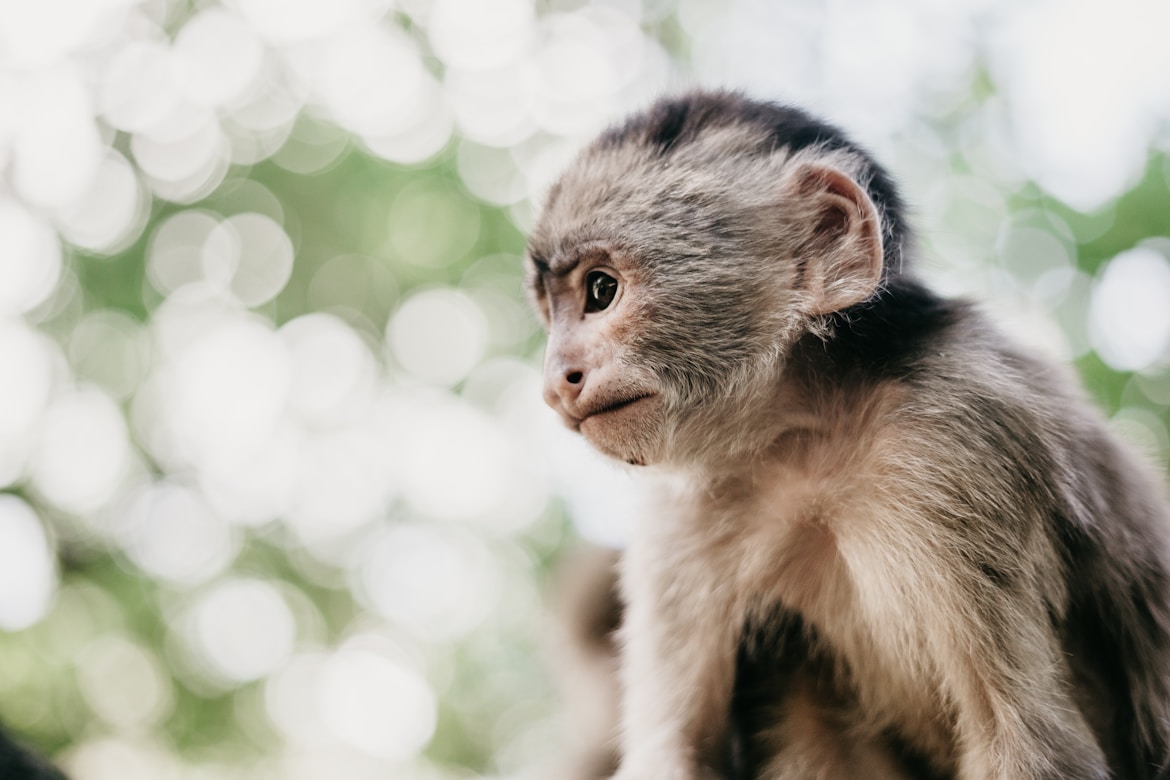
(600, 288)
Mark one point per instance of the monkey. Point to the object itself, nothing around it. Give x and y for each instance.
(887, 542)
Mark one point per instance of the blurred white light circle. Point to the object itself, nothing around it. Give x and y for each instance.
(332, 370)
(422, 140)
(343, 483)
(1146, 431)
(377, 705)
(245, 628)
(139, 88)
(510, 322)
(273, 109)
(174, 257)
(251, 255)
(439, 335)
(56, 148)
(83, 453)
(261, 488)
(372, 80)
(312, 147)
(1071, 312)
(473, 34)
(284, 21)
(111, 213)
(110, 758)
(490, 104)
(31, 261)
(221, 257)
(1089, 144)
(543, 161)
(1129, 312)
(877, 101)
(574, 76)
(226, 391)
(603, 499)
(291, 699)
(173, 535)
(438, 585)
(178, 166)
(28, 573)
(217, 57)
(27, 365)
(198, 185)
(461, 464)
(123, 683)
(1030, 253)
(36, 34)
(249, 145)
(491, 174)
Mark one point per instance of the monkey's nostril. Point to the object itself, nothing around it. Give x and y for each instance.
(574, 377)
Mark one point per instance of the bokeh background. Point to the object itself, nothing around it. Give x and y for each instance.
(278, 496)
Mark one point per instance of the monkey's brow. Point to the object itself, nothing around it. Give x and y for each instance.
(558, 266)
(564, 263)
(561, 262)
(590, 250)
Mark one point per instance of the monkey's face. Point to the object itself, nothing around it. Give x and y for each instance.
(592, 303)
(673, 290)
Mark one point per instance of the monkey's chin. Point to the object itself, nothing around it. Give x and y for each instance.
(630, 433)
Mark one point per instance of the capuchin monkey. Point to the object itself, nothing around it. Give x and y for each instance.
(890, 543)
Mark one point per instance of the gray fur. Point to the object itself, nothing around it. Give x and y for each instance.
(890, 544)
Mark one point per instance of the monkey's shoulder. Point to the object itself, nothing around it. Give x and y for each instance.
(939, 364)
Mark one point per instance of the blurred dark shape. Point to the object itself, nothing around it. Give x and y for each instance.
(19, 763)
(587, 611)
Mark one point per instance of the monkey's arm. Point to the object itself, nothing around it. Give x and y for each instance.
(1010, 686)
(681, 633)
(974, 560)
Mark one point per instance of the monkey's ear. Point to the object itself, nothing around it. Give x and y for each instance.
(840, 244)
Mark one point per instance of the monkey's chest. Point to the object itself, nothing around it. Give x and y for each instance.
(824, 612)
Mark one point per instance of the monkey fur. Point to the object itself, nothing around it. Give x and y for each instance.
(889, 543)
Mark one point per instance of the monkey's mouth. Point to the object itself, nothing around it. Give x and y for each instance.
(613, 407)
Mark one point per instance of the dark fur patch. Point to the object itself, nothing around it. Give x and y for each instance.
(668, 129)
(887, 336)
(998, 577)
(772, 651)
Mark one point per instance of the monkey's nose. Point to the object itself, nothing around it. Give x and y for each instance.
(562, 388)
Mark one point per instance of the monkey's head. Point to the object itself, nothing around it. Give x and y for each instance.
(683, 254)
